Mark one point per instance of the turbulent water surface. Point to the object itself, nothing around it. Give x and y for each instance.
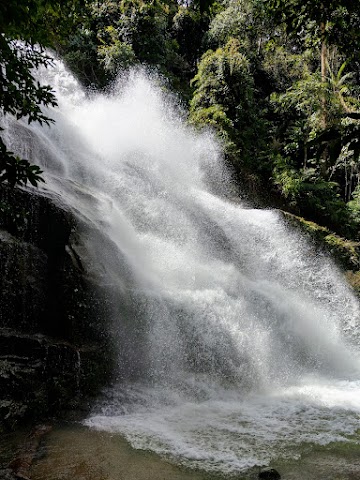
(237, 342)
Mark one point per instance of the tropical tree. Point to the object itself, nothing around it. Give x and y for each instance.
(323, 23)
(224, 99)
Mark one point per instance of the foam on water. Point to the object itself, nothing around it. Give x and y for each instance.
(231, 432)
(237, 341)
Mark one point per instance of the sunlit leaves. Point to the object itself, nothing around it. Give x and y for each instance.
(224, 98)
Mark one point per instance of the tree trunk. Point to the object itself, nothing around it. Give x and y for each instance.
(324, 122)
(324, 60)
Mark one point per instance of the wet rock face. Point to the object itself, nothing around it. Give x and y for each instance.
(36, 376)
(24, 288)
(54, 319)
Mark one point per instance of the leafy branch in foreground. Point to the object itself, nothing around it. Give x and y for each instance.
(26, 27)
(21, 95)
(17, 171)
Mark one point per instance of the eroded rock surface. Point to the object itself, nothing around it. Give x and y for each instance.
(55, 349)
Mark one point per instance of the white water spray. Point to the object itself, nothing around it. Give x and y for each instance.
(236, 340)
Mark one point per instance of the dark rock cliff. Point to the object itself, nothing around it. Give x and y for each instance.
(55, 349)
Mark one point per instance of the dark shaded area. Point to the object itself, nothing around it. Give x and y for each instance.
(270, 474)
(55, 349)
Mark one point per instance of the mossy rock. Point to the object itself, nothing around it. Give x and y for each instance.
(346, 253)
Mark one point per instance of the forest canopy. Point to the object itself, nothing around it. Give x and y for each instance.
(278, 81)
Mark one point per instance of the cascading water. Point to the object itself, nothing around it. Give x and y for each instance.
(237, 342)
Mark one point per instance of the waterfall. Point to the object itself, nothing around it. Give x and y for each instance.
(234, 335)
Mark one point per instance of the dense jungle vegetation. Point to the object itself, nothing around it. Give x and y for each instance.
(279, 81)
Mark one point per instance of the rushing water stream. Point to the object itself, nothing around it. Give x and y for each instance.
(238, 343)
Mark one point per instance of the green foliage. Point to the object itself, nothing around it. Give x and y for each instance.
(304, 17)
(284, 67)
(38, 21)
(298, 115)
(303, 98)
(81, 55)
(328, 156)
(116, 56)
(238, 20)
(203, 5)
(354, 205)
(116, 35)
(340, 138)
(16, 171)
(224, 98)
(133, 31)
(222, 76)
(22, 96)
(164, 34)
(23, 24)
(308, 194)
(215, 118)
(286, 178)
(279, 81)
(233, 22)
(189, 27)
(144, 26)
(346, 252)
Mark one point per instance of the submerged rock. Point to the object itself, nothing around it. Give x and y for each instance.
(7, 474)
(270, 474)
(21, 464)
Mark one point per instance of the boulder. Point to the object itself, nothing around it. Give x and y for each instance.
(269, 474)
